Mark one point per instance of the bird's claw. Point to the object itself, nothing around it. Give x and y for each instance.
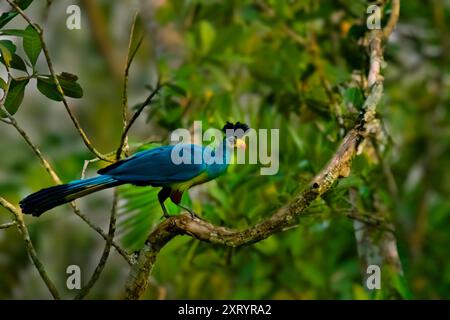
(165, 216)
(193, 214)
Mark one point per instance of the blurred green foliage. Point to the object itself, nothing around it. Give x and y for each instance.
(237, 61)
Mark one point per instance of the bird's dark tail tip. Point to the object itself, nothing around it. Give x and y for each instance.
(48, 198)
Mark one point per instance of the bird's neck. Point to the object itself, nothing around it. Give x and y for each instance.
(223, 152)
(222, 156)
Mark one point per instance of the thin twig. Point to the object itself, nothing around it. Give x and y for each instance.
(54, 176)
(294, 35)
(128, 60)
(36, 151)
(372, 221)
(376, 57)
(8, 225)
(45, 163)
(57, 180)
(271, 13)
(101, 265)
(97, 229)
(75, 122)
(29, 246)
(88, 162)
(136, 115)
(27, 139)
(85, 166)
(393, 19)
(25, 136)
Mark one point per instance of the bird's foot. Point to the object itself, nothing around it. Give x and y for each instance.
(191, 212)
(165, 216)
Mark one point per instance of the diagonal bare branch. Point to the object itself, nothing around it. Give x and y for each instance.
(107, 249)
(393, 19)
(135, 116)
(54, 176)
(30, 248)
(8, 225)
(131, 53)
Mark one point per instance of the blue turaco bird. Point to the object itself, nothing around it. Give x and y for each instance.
(154, 167)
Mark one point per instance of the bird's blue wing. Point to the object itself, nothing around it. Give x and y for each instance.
(157, 166)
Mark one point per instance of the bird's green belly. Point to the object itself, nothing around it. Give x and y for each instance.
(183, 186)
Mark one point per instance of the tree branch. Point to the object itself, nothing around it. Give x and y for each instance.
(107, 249)
(8, 225)
(339, 166)
(123, 147)
(30, 248)
(97, 229)
(378, 246)
(393, 19)
(376, 57)
(75, 122)
(135, 116)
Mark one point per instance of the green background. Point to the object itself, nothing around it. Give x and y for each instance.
(233, 60)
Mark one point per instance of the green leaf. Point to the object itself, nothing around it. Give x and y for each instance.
(8, 16)
(176, 90)
(49, 90)
(9, 45)
(401, 285)
(68, 76)
(70, 87)
(354, 97)
(207, 35)
(32, 44)
(138, 211)
(359, 293)
(18, 63)
(7, 49)
(15, 96)
(13, 32)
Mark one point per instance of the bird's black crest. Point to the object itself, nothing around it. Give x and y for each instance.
(235, 127)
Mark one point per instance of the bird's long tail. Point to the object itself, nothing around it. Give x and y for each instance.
(48, 198)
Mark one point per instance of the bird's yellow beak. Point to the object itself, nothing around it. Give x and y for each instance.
(240, 144)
